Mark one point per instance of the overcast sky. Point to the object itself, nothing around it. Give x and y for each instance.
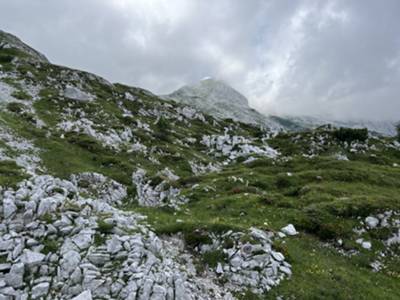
(339, 58)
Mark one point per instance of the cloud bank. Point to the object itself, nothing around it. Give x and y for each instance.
(339, 58)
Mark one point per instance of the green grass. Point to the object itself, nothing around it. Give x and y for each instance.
(10, 173)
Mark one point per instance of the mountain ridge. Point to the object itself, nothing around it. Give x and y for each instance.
(217, 98)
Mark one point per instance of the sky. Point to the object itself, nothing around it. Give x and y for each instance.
(335, 58)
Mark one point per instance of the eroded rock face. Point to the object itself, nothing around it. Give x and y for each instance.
(81, 247)
(75, 93)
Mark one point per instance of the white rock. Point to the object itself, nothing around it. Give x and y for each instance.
(15, 277)
(366, 245)
(31, 258)
(289, 230)
(372, 222)
(77, 94)
(76, 276)
(286, 270)
(40, 290)
(69, 262)
(277, 256)
(219, 269)
(83, 240)
(281, 235)
(47, 205)
(86, 295)
(9, 208)
(114, 245)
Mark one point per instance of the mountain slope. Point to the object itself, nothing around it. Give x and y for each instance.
(216, 98)
(14, 47)
(110, 192)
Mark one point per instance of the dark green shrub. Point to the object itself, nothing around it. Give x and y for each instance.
(350, 135)
(212, 258)
(50, 246)
(99, 239)
(21, 95)
(196, 237)
(104, 227)
(15, 107)
(4, 58)
(187, 181)
(283, 181)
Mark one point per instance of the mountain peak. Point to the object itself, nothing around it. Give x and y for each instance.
(18, 48)
(212, 91)
(217, 98)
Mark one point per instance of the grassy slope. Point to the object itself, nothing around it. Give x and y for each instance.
(319, 271)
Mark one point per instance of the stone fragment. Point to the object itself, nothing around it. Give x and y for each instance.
(85, 295)
(289, 230)
(40, 290)
(371, 222)
(31, 258)
(15, 277)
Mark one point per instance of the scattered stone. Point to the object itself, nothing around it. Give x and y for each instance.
(86, 295)
(31, 258)
(366, 245)
(9, 208)
(289, 230)
(40, 290)
(371, 222)
(277, 256)
(15, 277)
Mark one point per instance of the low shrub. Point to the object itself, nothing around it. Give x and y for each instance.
(350, 135)
(104, 227)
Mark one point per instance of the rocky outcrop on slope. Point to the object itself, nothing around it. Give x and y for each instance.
(60, 241)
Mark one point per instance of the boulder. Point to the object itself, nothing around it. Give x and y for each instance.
(40, 290)
(9, 208)
(15, 277)
(83, 240)
(31, 259)
(371, 222)
(85, 295)
(277, 256)
(289, 230)
(114, 245)
(69, 262)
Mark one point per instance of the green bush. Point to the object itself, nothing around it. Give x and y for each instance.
(50, 246)
(21, 95)
(283, 181)
(350, 135)
(212, 258)
(4, 58)
(104, 227)
(15, 107)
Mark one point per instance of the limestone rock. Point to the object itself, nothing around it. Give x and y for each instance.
(30, 258)
(289, 230)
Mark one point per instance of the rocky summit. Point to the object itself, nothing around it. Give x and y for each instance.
(111, 192)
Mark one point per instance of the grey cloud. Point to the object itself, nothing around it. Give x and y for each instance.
(338, 58)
